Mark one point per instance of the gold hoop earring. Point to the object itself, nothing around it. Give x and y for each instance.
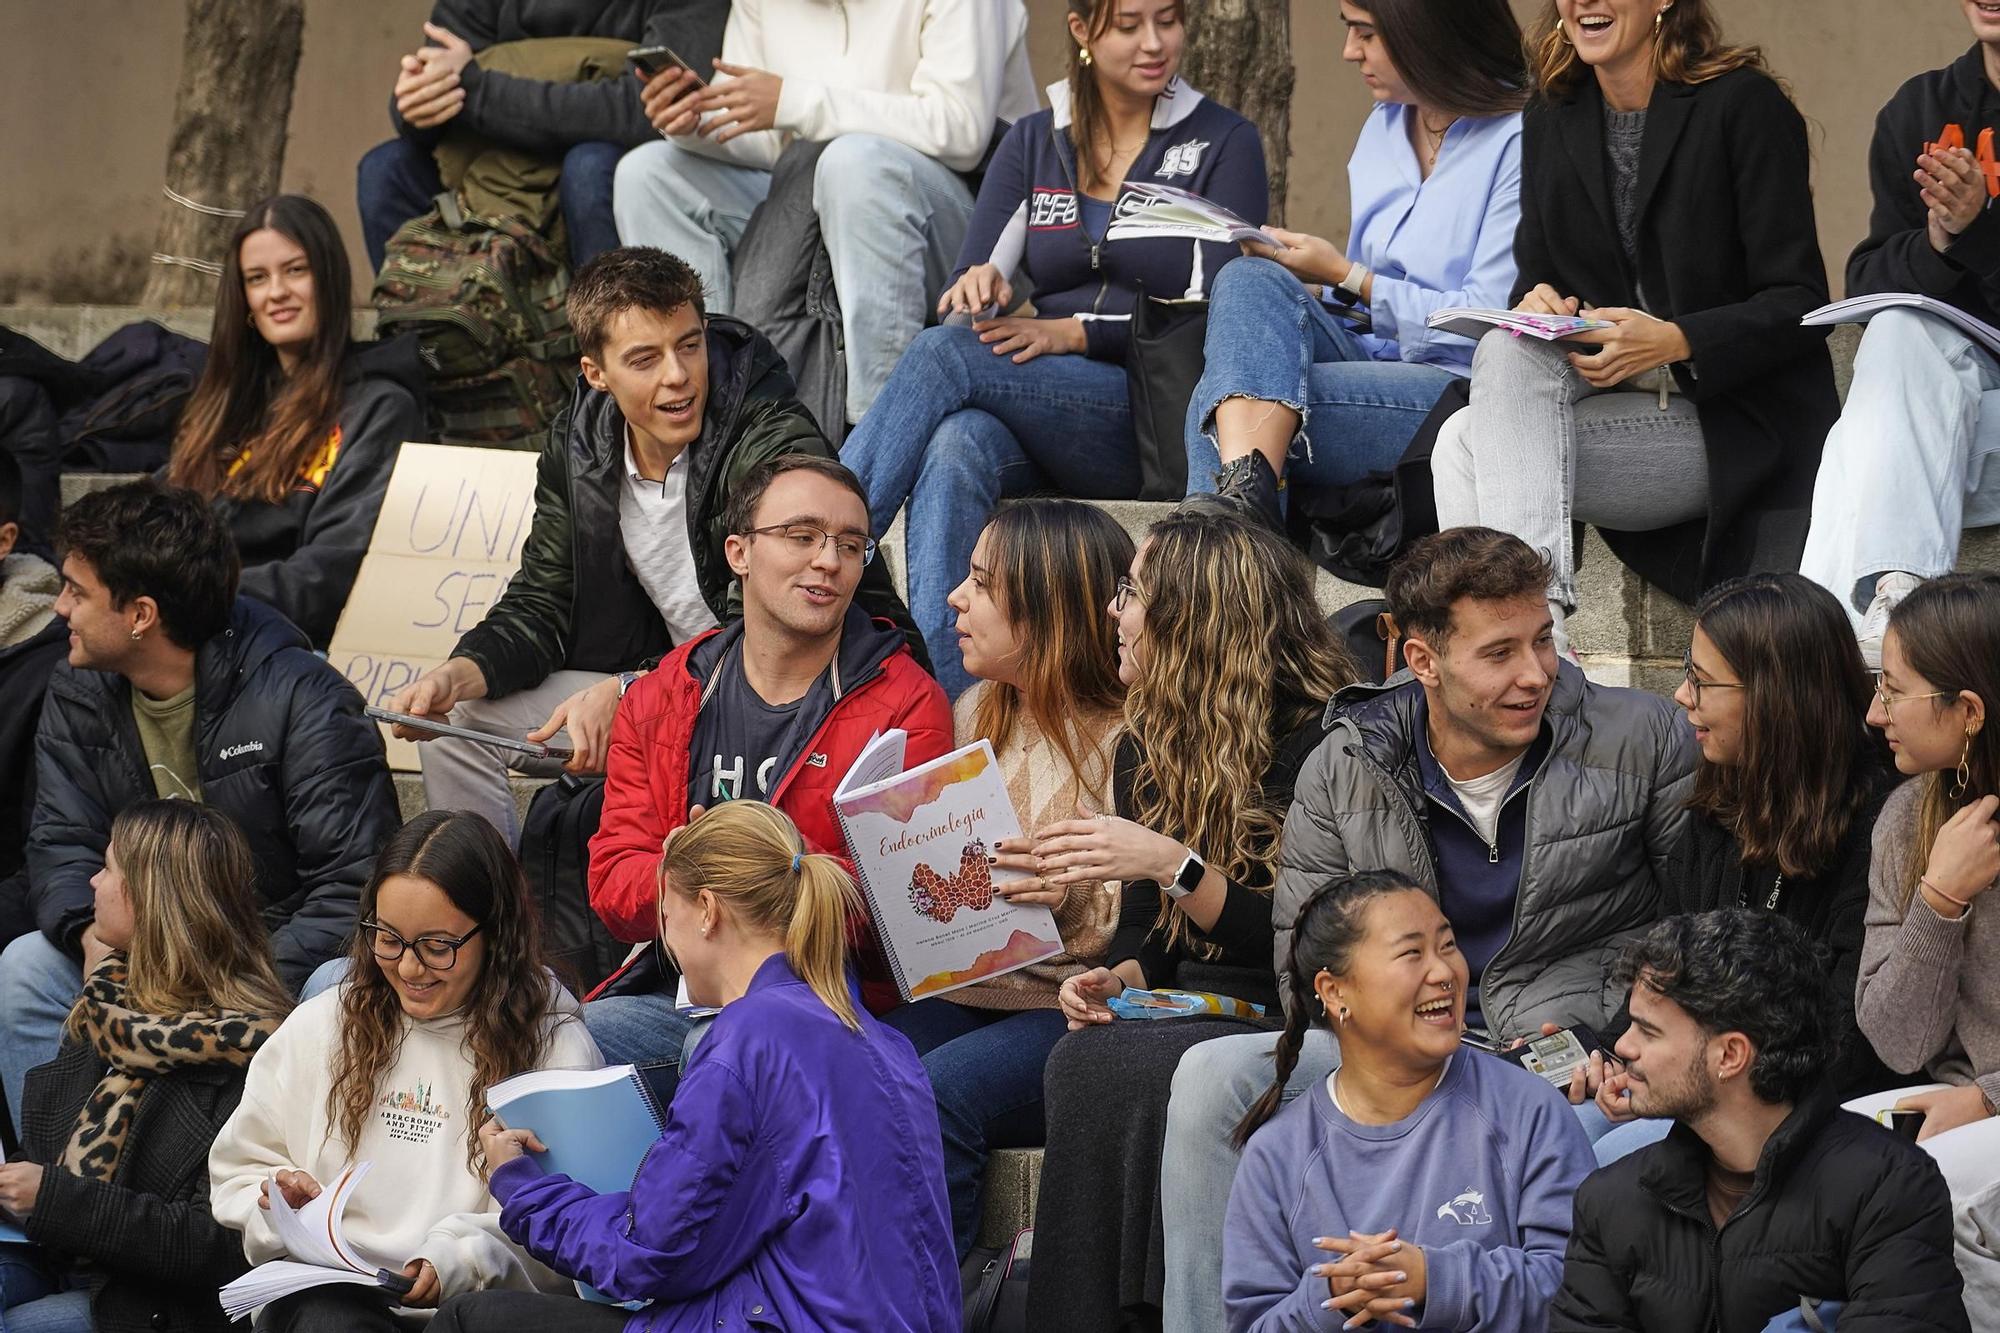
(137, 635)
(1964, 773)
(1343, 1013)
(1083, 56)
(1658, 19)
(1562, 34)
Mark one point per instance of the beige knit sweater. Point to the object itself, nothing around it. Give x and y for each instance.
(1929, 995)
(1044, 790)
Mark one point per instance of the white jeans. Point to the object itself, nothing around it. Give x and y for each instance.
(1905, 468)
(1540, 449)
(892, 219)
(466, 775)
(1969, 1159)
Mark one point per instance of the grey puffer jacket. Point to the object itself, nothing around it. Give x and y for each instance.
(1605, 810)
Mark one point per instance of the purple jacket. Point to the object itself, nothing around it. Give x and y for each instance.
(799, 1184)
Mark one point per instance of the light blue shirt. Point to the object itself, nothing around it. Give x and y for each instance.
(1438, 243)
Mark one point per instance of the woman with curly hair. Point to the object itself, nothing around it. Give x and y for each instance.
(447, 994)
(1228, 667)
(179, 993)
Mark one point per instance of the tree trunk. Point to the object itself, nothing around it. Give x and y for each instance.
(1239, 52)
(238, 61)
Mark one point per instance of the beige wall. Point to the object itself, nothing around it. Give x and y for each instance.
(87, 86)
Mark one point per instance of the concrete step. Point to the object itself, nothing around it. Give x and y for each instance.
(72, 330)
(410, 793)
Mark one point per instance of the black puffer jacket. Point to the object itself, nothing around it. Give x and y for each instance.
(282, 748)
(1842, 1209)
(301, 556)
(153, 1255)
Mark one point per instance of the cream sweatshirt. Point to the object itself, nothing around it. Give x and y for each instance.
(931, 74)
(420, 1200)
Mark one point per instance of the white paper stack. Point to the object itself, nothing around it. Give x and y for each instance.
(317, 1243)
(1166, 211)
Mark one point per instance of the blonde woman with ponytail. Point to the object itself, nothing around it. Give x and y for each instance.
(798, 1182)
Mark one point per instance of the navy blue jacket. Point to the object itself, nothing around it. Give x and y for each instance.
(1027, 220)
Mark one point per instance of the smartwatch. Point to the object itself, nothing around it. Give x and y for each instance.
(1188, 878)
(1351, 288)
(626, 679)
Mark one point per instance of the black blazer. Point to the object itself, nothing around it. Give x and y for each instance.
(154, 1254)
(1728, 250)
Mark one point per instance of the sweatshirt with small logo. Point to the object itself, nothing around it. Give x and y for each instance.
(1480, 1176)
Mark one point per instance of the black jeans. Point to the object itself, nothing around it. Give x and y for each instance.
(527, 1312)
(337, 1308)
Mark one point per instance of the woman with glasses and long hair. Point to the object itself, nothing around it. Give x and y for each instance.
(1666, 191)
(446, 994)
(1788, 787)
(179, 993)
(1319, 357)
(1929, 994)
(1032, 631)
(1228, 666)
(294, 426)
(796, 1183)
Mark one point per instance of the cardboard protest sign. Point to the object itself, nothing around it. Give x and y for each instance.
(447, 541)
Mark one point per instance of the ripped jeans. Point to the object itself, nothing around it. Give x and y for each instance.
(1270, 339)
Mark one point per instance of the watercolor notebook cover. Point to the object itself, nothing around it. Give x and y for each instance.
(920, 841)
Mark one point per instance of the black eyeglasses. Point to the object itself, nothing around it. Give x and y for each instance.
(1696, 684)
(809, 540)
(1127, 590)
(437, 952)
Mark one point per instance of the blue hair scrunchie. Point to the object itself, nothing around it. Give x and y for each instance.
(795, 861)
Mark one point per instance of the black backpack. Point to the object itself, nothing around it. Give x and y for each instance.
(555, 852)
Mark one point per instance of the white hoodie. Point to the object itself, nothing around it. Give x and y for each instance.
(931, 74)
(420, 1200)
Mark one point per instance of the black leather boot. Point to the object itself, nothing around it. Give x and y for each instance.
(1250, 482)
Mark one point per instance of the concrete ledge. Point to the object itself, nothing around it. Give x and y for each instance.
(1013, 1184)
(410, 793)
(72, 330)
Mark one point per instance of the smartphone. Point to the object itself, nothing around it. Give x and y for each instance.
(1556, 1057)
(437, 728)
(1907, 1123)
(652, 61)
(965, 319)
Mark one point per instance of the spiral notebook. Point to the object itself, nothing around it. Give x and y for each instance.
(920, 841)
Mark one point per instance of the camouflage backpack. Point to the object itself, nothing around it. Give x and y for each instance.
(484, 295)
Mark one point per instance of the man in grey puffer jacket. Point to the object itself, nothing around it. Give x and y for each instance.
(1541, 809)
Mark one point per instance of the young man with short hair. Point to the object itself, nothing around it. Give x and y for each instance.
(774, 707)
(1540, 807)
(625, 558)
(177, 688)
(1765, 1191)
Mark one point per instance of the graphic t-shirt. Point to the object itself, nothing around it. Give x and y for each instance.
(166, 734)
(742, 745)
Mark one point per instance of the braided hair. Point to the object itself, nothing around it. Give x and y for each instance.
(1330, 924)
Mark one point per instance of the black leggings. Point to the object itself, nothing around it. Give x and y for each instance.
(338, 1308)
(527, 1312)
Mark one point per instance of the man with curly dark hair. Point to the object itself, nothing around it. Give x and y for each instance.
(1765, 1197)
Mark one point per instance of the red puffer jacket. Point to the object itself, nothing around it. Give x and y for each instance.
(875, 685)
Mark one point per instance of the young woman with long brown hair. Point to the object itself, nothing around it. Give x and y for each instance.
(796, 1183)
(1033, 632)
(179, 993)
(994, 404)
(1665, 188)
(294, 426)
(1929, 997)
(1228, 666)
(446, 994)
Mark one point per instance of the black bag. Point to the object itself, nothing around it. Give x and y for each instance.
(1370, 633)
(994, 1283)
(784, 287)
(1355, 532)
(1163, 362)
(555, 852)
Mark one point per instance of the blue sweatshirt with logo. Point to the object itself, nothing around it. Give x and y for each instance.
(1030, 224)
(1480, 1176)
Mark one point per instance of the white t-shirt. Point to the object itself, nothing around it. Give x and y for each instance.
(653, 523)
(1483, 797)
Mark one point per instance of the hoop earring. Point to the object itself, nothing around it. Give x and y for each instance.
(1083, 56)
(1658, 19)
(1562, 34)
(1964, 773)
(138, 635)
(1343, 1013)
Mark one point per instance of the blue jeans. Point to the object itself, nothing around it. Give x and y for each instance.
(397, 181)
(37, 1299)
(985, 1067)
(647, 1032)
(1269, 339)
(956, 430)
(38, 985)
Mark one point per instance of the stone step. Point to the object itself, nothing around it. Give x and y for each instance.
(410, 793)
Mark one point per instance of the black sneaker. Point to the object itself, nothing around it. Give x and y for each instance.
(1250, 482)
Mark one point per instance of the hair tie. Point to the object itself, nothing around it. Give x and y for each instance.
(795, 861)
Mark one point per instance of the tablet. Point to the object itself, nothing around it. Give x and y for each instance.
(436, 728)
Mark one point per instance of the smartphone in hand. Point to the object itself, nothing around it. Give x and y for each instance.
(653, 61)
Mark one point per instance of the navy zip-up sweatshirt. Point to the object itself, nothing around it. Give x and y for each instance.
(1028, 221)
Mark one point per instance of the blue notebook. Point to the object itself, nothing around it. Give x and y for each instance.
(597, 1123)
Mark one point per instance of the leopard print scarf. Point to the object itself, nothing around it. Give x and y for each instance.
(138, 1046)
